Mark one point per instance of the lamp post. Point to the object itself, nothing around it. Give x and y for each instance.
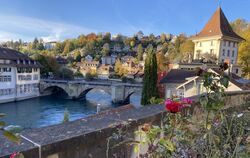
(98, 108)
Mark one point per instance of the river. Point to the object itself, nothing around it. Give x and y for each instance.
(49, 110)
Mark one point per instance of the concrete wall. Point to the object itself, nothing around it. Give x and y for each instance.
(88, 137)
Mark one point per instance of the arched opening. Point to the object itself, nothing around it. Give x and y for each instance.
(55, 91)
(97, 96)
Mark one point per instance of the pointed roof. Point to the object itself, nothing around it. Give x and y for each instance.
(218, 25)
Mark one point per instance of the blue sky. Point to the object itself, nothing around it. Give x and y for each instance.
(61, 19)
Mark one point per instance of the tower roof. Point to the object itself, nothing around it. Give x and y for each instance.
(218, 25)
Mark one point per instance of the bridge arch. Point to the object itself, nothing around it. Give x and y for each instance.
(83, 94)
(54, 89)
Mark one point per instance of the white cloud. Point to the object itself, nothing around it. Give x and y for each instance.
(15, 27)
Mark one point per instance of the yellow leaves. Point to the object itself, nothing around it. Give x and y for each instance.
(208, 126)
(11, 136)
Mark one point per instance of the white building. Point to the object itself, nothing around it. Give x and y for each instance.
(109, 60)
(186, 83)
(19, 76)
(49, 45)
(217, 38)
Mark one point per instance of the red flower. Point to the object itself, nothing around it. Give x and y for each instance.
(173, 106)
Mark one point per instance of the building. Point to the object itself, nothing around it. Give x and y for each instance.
(103, 71)
(109, 60)
(186, 83)
(89, 58)
(19, 76)
(49, 45)
(216, 40)
(88, 67)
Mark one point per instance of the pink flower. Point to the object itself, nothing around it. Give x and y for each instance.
(13, 155)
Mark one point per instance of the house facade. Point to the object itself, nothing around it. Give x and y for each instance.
(19, 76)
(185, 83)
(217, 39)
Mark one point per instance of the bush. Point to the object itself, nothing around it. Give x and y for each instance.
(90, 76)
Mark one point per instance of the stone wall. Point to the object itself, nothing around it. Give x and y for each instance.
(87, 137)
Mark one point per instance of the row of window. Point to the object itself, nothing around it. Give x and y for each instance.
(8, 91)
(26, 62)
(229, 44)
(26, 70)
(228, 53)
(2, 61)
(28, 77)
(27, 88)
(5, 78)
(225, 43)
(5, 69)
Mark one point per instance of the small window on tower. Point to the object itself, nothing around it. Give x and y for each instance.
(228, 53)
(223, 52)
(233, 53)
(225, 42)
(237, 71)
(229, 43)
(212, 43)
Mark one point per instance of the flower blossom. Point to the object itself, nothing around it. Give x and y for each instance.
(173, 106)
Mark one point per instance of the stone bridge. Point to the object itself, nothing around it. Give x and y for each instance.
(119, 92)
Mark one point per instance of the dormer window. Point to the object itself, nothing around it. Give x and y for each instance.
(212, 43)
(18, 61)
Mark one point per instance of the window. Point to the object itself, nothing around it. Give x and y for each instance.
(225, 43)
(211, 51)
(35, 77)
(233, 53)
(229, 43)
(234, 44)
(200, 44)
(232, 61)
(223, 52)
(212, 43)
(237, 71)
(228, 53)
(5, 78)
(222, 60)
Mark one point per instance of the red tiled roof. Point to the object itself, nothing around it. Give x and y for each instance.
(218, 25)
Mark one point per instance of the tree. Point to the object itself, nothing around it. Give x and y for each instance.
(150, 78)
(77, 56)
(139, 52)
(68, 47)
(35, 43)
(119, 70)
(105, 49)
(163, 38)
(107, 37)
(162, 64)
(186, 50)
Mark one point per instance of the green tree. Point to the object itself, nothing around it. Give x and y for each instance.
(105, 49)
(77, 56)
(150, 78)
(35, 44)
(139, 52)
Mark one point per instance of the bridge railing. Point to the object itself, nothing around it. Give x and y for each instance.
(105, 83)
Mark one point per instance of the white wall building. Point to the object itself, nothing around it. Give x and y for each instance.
(19, 76)
(218, 38)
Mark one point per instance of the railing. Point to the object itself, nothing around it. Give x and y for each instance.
(103, 83)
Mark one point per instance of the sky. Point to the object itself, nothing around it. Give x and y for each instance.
(63, 19)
